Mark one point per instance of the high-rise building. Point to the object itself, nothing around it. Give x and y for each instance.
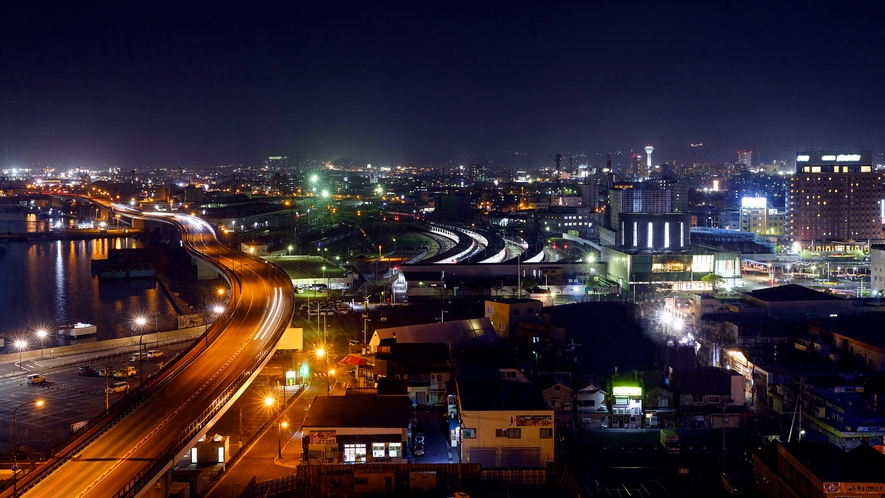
(745, 157)
(833, 196)
(637, 198)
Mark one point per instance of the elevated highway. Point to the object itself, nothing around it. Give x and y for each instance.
(126, 451)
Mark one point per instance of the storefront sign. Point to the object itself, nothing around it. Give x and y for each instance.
(531, 420)
(323, 437)
(627, 391)
(858, 488)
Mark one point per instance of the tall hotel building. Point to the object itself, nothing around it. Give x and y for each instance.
(833, 197)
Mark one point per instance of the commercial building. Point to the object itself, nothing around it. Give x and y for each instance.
(833, 196)
(819, 470)
(758, 218)
(877, 269)
(356, 429)
(502, 423)
(683, 271)
(637, 198)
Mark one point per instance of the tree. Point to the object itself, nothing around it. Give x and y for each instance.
(805, 254)
(858, 254)
(714, 279)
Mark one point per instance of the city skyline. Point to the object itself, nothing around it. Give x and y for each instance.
(404, 84)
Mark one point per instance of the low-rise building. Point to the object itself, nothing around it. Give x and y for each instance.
(710, 397)
(819, 470)
(358, 428)
(424, 368)
(502, 423)
(559, 396)
(505, 314)
(591, 407)
(626, 404)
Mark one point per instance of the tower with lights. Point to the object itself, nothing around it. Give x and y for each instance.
(648, 150)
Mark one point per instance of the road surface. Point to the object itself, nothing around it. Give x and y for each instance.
(181, 402)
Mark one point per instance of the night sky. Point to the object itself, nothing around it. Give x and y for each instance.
(138, 83)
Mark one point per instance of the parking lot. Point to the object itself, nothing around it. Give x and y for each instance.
(70, 393)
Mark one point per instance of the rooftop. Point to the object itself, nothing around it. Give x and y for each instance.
(358, 410)
(830, 464)
(475, 330)
(480, 387)
(791, 293)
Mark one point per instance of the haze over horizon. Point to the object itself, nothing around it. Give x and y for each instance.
(399, 83)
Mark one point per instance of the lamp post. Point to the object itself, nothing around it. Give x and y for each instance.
(140, 321)
(37, 403)
(365, 329)
(329, 381)
(42, 335)
(280, 427)
(21, 345)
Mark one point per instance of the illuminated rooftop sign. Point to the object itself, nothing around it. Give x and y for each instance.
(828, 158)
(627, 391)
(802, 158)
(848, 157)
(754, 202)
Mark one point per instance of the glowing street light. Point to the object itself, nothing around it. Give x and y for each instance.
(141, 322)
(280, 427)
(41, 333)
(37, 404)
(20, 345)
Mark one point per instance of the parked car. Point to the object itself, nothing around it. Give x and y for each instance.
(35, 379)
(154, 353)
(86, 370)
(134, 356)
(419, 439)
(127, 371)
(107, 372)
(419, 450)
(118, 387)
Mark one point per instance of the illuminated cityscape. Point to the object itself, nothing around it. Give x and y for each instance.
(431, 250)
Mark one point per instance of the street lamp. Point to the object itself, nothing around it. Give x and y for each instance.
(280, 427)
(38, 404)
(289, 253)
(21, 345)
(329, 381)
(140, 321)
(365, 333)
(42, 335)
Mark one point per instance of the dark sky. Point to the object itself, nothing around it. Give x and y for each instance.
(132, 83)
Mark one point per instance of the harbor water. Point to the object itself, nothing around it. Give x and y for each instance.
(47, 283)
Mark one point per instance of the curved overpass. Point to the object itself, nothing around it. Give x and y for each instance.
(124, 451)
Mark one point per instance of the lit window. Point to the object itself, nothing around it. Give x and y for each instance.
(377, 450)
(395, 450)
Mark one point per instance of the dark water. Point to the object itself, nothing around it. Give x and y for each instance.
(43, 284)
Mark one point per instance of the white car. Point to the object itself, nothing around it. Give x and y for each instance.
(118, 387)
(154, 353)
